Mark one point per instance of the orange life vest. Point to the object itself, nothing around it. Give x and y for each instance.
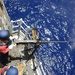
(4, 49)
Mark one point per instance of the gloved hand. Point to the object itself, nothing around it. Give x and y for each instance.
(13, 37)
(2, 70)
(11, 46)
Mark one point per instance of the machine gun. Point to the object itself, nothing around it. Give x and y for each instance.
(36, 44)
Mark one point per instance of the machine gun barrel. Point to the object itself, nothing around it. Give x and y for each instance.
(45, 41)
(38, 41)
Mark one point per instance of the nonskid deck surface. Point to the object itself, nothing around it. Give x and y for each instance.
(20, 60)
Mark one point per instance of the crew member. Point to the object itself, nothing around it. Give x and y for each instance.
(4, 70)
(4, 39)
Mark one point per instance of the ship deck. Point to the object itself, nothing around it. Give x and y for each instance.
(19, 53)
(19, 56)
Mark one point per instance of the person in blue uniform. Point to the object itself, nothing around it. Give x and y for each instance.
(4, 49)
(4, 70)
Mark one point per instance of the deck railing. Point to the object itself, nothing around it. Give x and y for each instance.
(20, 27)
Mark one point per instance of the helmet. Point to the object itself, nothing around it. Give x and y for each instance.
(4, 34)
(12, 71)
